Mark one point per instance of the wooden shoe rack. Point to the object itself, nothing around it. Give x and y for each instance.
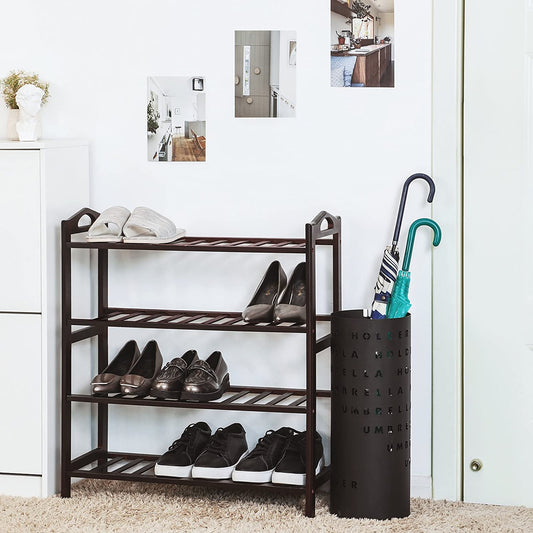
(324, 230)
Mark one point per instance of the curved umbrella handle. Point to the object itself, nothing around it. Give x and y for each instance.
(403, 199)
(411, 238)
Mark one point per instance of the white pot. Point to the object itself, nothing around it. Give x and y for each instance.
(12, 118)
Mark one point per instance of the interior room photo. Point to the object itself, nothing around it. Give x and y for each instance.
(327, 325)
(265, 74)
(176, 118)
(362, 43)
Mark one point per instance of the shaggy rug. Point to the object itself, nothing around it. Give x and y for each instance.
(117, 507)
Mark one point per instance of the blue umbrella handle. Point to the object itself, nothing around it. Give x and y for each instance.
(403, 199)
(411, 238)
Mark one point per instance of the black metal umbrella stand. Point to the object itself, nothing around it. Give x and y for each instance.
(370, 416)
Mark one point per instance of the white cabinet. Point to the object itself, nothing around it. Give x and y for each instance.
(41, 183)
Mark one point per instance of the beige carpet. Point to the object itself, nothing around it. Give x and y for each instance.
(101, 506)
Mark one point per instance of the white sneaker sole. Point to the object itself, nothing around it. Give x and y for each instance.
(172, 471)
(287, 478)
(215, 473)
(263, 476)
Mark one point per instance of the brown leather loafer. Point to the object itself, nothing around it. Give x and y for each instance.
(169, 381)
(141, 376)
(108, 380)
(206, 380)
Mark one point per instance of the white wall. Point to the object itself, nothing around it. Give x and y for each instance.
(348, 151)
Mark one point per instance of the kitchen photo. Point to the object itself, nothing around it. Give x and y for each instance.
(362, 43)
(175, 119)
(265, 74)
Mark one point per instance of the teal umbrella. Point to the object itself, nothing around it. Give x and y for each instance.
(399, 303)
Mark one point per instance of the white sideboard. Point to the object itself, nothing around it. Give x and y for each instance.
(41, 183)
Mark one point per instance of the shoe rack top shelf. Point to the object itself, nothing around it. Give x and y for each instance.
(209, 244)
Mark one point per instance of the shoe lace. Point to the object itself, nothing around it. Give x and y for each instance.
(184, 440)
(217, 442)
(263, 444)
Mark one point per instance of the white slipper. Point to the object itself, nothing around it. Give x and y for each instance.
(147, 226)
(108, 226)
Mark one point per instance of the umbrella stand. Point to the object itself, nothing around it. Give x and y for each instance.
(370, 416)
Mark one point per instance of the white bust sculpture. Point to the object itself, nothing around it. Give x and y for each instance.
(29, 101)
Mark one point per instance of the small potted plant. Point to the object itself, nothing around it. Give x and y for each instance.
(9, 86)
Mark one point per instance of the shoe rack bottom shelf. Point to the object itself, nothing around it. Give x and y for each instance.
(97, 464)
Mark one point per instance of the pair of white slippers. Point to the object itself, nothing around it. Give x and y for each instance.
(143, 225)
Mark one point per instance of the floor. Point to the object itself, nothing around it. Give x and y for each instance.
(99, 506)
(186, 150)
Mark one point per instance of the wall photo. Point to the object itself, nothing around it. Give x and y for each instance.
(362, 43)
(265, 74)
(175, 118)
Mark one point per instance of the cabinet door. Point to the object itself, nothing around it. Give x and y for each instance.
(20, 394)
(20, 223)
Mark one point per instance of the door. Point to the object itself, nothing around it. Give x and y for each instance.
(252, 69)
(498, 262)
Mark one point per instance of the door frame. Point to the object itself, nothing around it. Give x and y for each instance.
(447, 275)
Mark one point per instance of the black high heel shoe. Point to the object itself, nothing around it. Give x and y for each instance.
(291, 305)
(261, 307)
(109, 379)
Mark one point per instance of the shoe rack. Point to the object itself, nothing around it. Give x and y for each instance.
(324, 230)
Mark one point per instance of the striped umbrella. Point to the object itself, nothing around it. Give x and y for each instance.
(390, 263)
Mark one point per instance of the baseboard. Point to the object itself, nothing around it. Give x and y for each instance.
(420, 486)
(20, 485)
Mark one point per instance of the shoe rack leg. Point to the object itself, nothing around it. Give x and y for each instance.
(103, 338)
(310, 415)
(66, 362)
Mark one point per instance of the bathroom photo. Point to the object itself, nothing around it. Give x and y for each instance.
(265, 74)
(362, 43)
(175, 118)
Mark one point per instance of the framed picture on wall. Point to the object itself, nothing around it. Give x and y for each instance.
(197, 84)
(292, 53)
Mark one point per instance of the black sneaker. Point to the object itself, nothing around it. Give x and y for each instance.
(179, 459)
(225, 449)
(291, 469)
(258, 465)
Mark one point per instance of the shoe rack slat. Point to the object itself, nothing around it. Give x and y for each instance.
(323, 230)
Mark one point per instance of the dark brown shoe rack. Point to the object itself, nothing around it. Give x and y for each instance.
(324, 230)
